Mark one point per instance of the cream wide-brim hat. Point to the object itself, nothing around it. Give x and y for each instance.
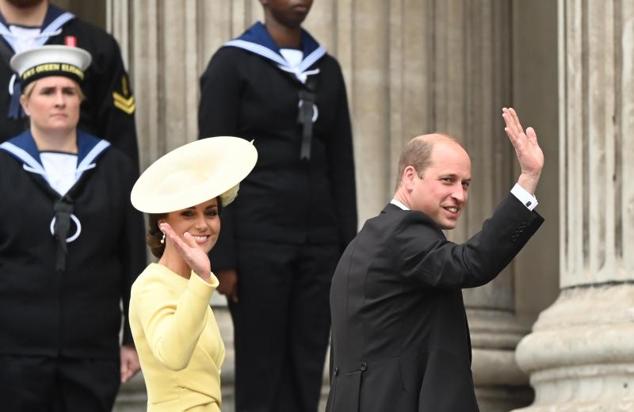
(194, 173)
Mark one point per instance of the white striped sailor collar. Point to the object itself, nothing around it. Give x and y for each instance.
(257, 40)
(53, 21)
(23, 149)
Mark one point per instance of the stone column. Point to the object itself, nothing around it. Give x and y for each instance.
(580, 355)
(469, 83)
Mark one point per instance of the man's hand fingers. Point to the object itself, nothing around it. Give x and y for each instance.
(509, 127)
(515, 139)
(532, 136)
(513, 124)
(516, 120)
(527, 150)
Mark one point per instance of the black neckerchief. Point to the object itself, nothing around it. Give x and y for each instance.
(306, 115)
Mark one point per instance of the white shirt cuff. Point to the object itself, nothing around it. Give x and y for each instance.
(523, 196)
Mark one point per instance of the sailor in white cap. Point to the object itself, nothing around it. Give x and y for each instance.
(45, 61)
(180, 347)
(110, 104)
(72, 246)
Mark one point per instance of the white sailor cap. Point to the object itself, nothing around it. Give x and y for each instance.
(51, 60)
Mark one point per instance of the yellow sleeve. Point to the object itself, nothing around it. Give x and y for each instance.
(172, 324)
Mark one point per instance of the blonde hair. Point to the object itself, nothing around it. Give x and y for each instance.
(28, 91)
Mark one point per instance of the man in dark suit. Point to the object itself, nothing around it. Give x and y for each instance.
(400, 338)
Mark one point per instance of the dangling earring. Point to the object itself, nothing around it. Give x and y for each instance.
(163, 239)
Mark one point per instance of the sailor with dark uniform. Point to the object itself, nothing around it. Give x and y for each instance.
(71, 246)
(281, 239)
(107, 111)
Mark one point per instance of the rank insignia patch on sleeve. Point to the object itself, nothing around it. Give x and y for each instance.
(124, 104)
(124, 101)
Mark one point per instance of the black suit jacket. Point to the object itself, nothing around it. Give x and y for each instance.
(400, 338)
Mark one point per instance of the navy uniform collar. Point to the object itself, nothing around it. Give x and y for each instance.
(23, 148)
(257, 40)
(89, 148)
(53, 21)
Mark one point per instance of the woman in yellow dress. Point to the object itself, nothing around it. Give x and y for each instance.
(174, 329)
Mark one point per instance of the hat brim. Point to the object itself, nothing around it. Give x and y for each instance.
(51, 60)
(193, 173)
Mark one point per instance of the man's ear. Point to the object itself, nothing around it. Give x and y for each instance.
(408, 179)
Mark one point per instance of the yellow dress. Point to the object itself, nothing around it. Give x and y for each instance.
(177, 339)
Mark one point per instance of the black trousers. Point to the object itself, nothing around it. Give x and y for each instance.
(281, 325)
(46, 384)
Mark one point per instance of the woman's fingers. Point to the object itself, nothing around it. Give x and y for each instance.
(189, 239)
(187, 248)
(167, 230)
(180, 245)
